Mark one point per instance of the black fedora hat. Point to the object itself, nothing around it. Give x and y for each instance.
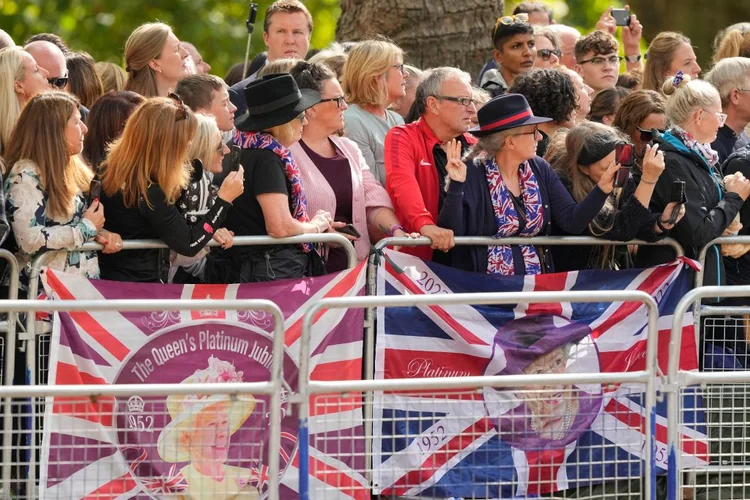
(274, 100)
(504, 112)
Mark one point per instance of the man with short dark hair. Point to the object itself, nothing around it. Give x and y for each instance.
(208, 94)
(415, 158)
(597, 61)
(514, 53)
(287, 29)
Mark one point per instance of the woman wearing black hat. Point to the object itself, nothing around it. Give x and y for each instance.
(505, 190)
(274, 202)
(590, 149)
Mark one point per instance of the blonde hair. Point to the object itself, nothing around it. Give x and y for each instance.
(365, 69)
(144, 44)
(40, 137)
(686, 96)
(734, 43)
(203, 145)
(277, 66)
(334, 57)
(113, 77)
(152, 150)
(11, 71)
(660, 55)
(284, 133)
(729, 74)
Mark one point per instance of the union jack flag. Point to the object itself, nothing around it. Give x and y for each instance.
(493, 443)
(108, 448)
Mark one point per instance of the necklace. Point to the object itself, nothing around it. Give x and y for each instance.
(567, 422)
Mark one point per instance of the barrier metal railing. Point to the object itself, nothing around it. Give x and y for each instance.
(349, 389)
(273, 387)
(30, 336)
(9, 353)
(728, 441)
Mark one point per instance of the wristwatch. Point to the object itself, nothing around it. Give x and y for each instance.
(633, 59)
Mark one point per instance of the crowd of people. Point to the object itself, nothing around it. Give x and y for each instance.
(550, 138)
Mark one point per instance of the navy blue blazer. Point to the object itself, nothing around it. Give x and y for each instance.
(468, 211)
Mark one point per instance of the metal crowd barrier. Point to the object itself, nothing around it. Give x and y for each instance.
(30, 337)
(89, 393)
(339, 448)
(722, 411)
(8, 343)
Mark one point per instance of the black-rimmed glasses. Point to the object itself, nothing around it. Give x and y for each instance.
(601, 61)
(182, 110)
(533, 132)
(463, 101)
(340, 101)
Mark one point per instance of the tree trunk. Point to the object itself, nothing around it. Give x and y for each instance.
(699, 20)
(431, 32)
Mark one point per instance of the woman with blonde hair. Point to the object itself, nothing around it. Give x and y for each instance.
(206, 152)
(21, 78)
(112, 76)
(144, 175)
(734, 43)
(276, 202)
(589, 151)
(713, 201)
(374, 78)
(45, 202)
(668, 53)
(155, 60)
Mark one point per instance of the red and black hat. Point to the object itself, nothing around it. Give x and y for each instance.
(505, 112)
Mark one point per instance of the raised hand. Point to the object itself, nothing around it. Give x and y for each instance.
(455, 167)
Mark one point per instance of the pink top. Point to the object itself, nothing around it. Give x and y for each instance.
(368, 195)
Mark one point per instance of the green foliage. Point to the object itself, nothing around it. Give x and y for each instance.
(101, 27)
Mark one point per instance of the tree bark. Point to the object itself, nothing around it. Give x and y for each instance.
(431, 32)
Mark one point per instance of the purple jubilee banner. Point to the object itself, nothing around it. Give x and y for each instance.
(194, 445)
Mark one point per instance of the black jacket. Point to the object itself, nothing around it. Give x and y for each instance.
(708, 212)
(163, 221)
(738, 270)
(632, 220)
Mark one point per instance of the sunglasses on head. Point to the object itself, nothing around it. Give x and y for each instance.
(59, 82)
(182, 111)
(648, 135)
(508, 20)
(545, 54)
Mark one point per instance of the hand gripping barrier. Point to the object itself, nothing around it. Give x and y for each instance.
(722, 396)
(273, 387)
(349, 390)
(30, 337)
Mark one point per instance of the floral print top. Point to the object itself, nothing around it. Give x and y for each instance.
(36, 232)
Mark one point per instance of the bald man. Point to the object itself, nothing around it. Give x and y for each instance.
(201, 66)
(5, 40)
(50, 57)
(568, 38)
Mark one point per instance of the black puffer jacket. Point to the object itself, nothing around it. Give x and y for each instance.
(738, 270)
(708, 212)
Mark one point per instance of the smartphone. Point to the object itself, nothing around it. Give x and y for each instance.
(234, 159)
(95, 191)
(622, 17)
(624, 154)
(350, 230)
(197, 173)
(677, 192)
(621, 177)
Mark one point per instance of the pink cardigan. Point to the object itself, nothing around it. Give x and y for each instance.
(368, 198)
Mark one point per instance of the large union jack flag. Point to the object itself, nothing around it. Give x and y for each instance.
(522, 441)
(118, 448)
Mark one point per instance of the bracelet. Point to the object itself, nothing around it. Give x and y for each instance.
(395, 228)
(633, 59)
(660, 225)
(647, 182)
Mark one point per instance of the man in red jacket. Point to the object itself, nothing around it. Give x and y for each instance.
(415, 159)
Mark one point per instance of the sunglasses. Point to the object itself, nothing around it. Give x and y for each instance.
(340, 101)
(182, 111)
(545, 54)
(648, 135)
(59, 82)
(509, 20)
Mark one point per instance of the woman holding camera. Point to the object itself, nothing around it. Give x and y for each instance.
(712, 202)
(590, 149)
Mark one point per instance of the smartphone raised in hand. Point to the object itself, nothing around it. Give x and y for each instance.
(234, 159)
(95, 191)
(622, 17)
(624, 154)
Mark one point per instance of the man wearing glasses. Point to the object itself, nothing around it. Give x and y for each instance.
(416, 159)
(731, 76)
(597, 61)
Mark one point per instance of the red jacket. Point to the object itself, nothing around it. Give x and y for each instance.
(412, 179)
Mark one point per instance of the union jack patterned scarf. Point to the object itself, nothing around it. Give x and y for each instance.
(263, 140)
(500, 257)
